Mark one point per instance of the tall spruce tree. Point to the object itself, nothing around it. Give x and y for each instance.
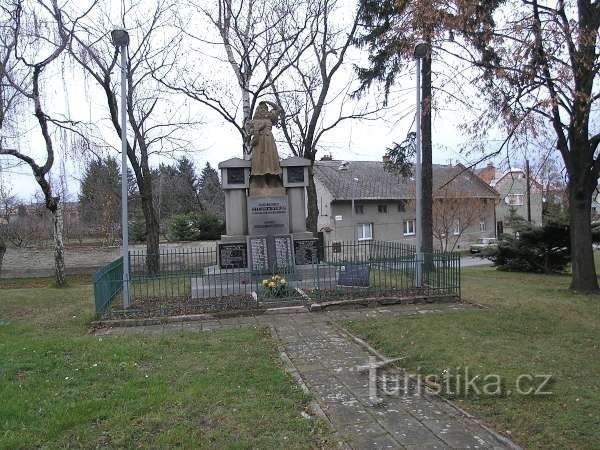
(390, 30)
(100, 197)
(210, 192)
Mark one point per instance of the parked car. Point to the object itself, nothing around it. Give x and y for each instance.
(484, 244)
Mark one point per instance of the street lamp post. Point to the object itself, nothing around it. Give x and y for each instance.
(420, 52)
(120, 39)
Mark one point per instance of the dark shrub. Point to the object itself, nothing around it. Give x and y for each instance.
(196, 226)
(544, 249)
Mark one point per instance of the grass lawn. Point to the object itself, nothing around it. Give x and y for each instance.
(534, 325)
(60, 387)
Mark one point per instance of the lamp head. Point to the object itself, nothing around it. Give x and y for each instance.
(120, 37)
(422, 49)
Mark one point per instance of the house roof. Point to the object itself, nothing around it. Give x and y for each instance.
(375, 183)
(515, 172)
(487, 173)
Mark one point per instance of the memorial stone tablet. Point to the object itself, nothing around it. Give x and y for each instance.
(258, 255)
(235, 175)
(283, 253)
(295, 174)
(233, 255)
(268, 216)
(305, 251)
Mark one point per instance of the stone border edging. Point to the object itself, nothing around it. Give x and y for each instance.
(314, 307)
(385, 301)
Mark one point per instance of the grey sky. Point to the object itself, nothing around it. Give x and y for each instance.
(68, 92)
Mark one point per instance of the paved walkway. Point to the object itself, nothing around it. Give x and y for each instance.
(329, 362)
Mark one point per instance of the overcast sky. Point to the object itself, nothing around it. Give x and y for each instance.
(67, 91)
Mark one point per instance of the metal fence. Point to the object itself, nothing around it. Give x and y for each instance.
(190, 281)
(108, 283)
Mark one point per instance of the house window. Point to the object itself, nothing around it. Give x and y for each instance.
(456, 229)
(409, 228)
(364, 231)
(359, 209)
(514, 199)
(482, 225)
(401, 206)
(382, 209)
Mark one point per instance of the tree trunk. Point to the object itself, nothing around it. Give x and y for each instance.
(312, 217)
(59, 248)
(584, 277)
(152, 227)
(2, 252)
(426, 170)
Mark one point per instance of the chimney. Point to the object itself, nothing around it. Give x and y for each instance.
(491, 165)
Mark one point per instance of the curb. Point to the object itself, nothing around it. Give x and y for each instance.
(370, 301)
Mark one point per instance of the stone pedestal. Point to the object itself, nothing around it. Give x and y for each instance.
(268, 231)
(235, 176)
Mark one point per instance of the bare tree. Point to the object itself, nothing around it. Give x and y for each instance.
(541, 65)
(308, 93)
(35, 36)
(256, 40)
(156, 123)
(453, 215)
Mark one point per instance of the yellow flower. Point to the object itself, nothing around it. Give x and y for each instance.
(282, 281)
(265, 282)
(271, 284)
(276, 277)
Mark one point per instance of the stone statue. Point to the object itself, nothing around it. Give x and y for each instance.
(265, 171)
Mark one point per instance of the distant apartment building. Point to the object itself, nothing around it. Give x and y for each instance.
(512, 189)
(384, 204)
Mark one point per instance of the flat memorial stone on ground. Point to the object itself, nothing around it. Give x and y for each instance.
(354, 275)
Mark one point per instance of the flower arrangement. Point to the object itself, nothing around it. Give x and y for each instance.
(276, 286)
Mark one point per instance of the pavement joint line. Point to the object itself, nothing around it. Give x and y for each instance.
(501, 438)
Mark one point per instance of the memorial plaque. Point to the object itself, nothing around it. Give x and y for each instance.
(258, 254)
(235, 175)
(271, 254)
(284, 257)
(354, 275)
(268, 216)
(233, 255)
(295, 174)
(305, 251)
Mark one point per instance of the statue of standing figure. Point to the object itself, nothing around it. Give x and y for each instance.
(265, 171)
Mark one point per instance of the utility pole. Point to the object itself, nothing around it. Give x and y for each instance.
(420, 52)
(527, 176)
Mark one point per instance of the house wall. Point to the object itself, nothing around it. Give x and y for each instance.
(517, 184)
(390, 226)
